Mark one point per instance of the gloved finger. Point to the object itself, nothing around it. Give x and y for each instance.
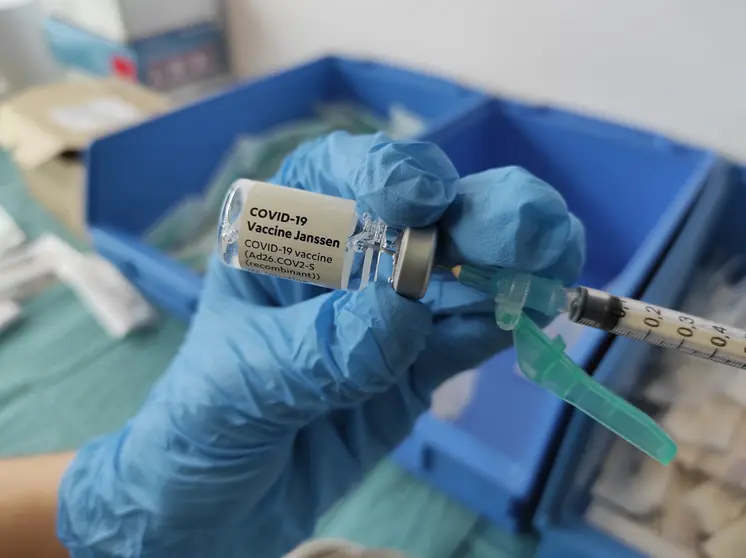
(371, 430)
(406, 183)
(248, 378)
(366, 433)
(272, 370)
(457, 343)
(567, 268)
(570, 263)
(509, 218)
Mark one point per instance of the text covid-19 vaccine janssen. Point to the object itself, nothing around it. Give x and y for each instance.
(319, 239)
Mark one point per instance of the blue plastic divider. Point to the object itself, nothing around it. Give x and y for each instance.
(136, 175)
(715, 226)
(632, 190)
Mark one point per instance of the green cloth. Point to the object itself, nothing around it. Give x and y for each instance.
(63, 380)
(393, 509)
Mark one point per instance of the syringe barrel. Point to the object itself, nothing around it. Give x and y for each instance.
(593, 308)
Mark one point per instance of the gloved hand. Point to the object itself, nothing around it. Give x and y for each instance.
(284, 394)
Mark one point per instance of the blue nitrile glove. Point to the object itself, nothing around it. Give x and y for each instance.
(283, 394)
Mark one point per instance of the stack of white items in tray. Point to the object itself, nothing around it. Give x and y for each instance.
(29, 267)
(695, 507)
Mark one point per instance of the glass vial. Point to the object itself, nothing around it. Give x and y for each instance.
(319, 239)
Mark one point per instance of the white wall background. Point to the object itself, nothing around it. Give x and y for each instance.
(678, 66)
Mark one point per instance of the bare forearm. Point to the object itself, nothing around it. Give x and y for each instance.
(28, 506)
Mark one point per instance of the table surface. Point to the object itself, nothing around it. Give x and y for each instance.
(63, 381)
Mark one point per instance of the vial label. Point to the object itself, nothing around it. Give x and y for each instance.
(295, 234)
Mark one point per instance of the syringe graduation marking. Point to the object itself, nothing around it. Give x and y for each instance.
(661, 327)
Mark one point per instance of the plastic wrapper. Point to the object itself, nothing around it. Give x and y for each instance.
(10, 313)
(713, 506)
(633, 482)
(11, 235)
(679, 524)
(727, 543)
(709, 425)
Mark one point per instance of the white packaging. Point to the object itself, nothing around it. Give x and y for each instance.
(678, 523)
(730, 542)
(710, 425)
(25, 59)
(10, 313)
(634, 534)
(632, 482)
(403, 123)
(11, 235)
(714, 507)
(688, 456)
(112, 300)
(728, 466)
(663, 390)
(734, 385)
(687, 384)
(25, 273)
(454, 395)
(128, 20)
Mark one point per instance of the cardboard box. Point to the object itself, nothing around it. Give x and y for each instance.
(47, 129)
(123, 21)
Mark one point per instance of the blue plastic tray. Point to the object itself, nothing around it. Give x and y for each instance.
(136, 175)
(715, 226)
(632, 189)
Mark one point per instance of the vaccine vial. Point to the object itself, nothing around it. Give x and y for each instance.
(319, 239)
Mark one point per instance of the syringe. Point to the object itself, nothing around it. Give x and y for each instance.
(618, 315)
